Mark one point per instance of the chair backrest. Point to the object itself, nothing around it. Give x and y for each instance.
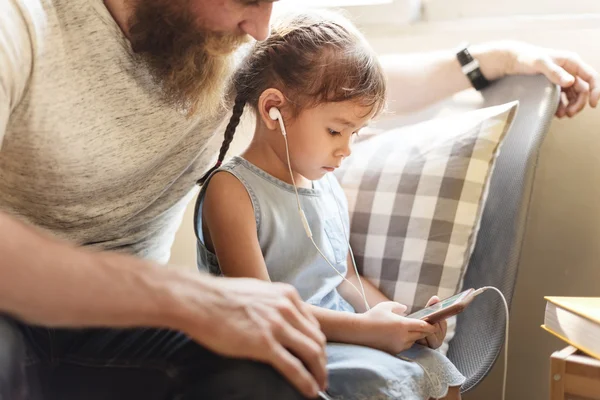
(495, 260)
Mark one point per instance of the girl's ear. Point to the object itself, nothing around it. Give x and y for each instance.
(268, 99)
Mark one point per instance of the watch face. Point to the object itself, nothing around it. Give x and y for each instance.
(475, 74)
(464, 57)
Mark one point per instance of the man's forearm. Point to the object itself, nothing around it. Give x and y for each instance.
(416, 81)
(52, 283)
(49, 282)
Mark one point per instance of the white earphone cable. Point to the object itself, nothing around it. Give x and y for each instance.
(274, 114)
(362, 288)
(506, 330)
(305, 221)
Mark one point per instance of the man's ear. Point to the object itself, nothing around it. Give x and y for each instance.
(268, 99)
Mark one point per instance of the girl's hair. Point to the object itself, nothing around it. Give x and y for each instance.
(311, 57)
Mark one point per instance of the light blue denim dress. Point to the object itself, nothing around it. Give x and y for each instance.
(355, 372)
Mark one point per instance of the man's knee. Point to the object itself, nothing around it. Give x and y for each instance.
(247, 380)
(12, 361)
(261, 381)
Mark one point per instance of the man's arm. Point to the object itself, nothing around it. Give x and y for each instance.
(49, 282)
(44, 281)
(416, 81)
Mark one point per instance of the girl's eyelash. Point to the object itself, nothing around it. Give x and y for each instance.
(249, 3)
(335, 133)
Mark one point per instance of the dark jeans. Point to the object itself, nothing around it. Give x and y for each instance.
(136, 364)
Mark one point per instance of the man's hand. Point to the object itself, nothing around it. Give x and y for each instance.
(580, 82)
(262, 321)
(436, 339)
(244, 318)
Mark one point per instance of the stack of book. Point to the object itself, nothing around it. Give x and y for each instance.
(576, 320)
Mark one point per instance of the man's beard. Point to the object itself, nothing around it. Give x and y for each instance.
(191, 65)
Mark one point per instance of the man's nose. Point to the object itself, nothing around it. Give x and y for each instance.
(257, 22)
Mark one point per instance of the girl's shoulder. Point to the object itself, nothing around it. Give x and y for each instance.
(228, 189)
(227, 176)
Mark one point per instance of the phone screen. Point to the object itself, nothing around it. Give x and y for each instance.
(438, 306)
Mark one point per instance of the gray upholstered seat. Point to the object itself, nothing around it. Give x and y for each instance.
(495, 260)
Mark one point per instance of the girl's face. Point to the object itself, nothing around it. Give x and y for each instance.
(320, 138)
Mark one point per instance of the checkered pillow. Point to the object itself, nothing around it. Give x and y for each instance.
(415, 197)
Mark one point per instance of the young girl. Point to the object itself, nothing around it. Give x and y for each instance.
(317, 81)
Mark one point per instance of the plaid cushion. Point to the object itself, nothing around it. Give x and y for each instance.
(415, 198)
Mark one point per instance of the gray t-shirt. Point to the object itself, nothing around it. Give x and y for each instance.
(89, 151)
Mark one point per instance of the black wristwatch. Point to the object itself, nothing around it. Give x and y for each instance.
(470, 68)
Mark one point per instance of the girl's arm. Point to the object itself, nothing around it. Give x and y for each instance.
(231, 228)
(231, 231)
(354, 297)
(374, 297)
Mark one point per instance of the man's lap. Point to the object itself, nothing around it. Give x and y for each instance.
(139, 363)
(12, 367)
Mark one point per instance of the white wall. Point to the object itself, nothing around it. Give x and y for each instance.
(451, 9)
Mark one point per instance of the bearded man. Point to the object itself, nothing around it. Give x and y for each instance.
(107, 111)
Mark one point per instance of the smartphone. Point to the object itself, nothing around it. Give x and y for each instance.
(445, 308)
(324, 395)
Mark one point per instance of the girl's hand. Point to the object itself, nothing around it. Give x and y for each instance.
(385, 328)
(436, 339)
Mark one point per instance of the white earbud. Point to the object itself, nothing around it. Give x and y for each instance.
(275, 115)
